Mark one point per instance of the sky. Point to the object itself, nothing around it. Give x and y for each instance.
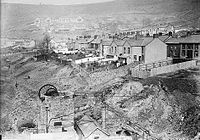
(54, 2)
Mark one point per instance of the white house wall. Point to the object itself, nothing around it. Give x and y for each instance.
(120, 50)
(155, 51)
(136, 51)
(112, 51)
(106, 50)
(126, 45)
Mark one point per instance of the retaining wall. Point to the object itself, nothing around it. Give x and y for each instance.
(163, 69)
(172, 68)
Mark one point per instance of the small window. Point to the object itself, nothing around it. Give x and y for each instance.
(196, 54)
(96, 46)
(196, 47)
(124, 50)
(135, 57)
(183, 52)
(189, 46)
(115, 49)
(142, 50)
(57, 123)
(92, 46)
(183, 46)
(129, 50)
(96, 137)
(142, 57)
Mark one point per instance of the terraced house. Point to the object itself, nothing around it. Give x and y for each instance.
(116, 48)
(185, 48)
(145, 50)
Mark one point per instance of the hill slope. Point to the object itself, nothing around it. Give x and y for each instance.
(15, 17)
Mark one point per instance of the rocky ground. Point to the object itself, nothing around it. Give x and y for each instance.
(167, 105)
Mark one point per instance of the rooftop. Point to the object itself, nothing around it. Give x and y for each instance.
(88, 126)
(146, 41)
(84, 41)
(119, 42)
(107, 42)
(135, 43)
(187, 39)
(96, 41)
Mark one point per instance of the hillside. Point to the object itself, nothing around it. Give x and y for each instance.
(17, 17)
(166, 111)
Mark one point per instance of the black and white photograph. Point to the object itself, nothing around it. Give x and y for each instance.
(100, 70)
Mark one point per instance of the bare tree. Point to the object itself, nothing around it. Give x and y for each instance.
(44, 46)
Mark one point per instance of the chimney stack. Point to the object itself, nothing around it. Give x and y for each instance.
(155, 35)
(170, 33)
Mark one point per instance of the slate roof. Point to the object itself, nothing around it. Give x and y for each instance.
(146, 41)
(107, 42)
(88, 126)
(84, 41)
(164, 38)
(188, 39)
(119, 42)
(135, 43)
(96, 41)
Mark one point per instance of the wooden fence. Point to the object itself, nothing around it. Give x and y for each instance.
(150, 66)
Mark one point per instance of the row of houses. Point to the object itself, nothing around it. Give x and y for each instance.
(149, 30)
(152, 49)
(141, 49)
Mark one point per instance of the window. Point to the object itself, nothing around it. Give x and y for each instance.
(92, 46)
(183, 52)
(140, 58)
(112, 49)
(196, 47)
(183, 46)
(57, 123)
(196, 54)
(135, 57)
(129, 51)
(142, 50)
(189, 46)
(124, 50)
(115, 49)
(96, 46)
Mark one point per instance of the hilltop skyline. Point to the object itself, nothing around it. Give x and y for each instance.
(54, 2)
